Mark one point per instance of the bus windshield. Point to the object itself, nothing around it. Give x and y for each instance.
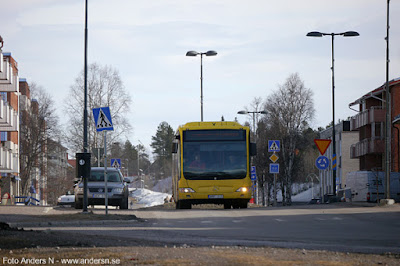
(214, 154)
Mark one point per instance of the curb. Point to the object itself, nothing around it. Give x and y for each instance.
(70, 223)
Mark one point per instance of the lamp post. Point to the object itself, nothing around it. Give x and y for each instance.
(254, 121)
(243, 112)
(208, 53)
(85, 115)
(344, 34)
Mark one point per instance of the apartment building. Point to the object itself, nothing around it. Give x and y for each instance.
(9, 125)
(23, 168)
(344, 139)
(370, 123)
(60, 177)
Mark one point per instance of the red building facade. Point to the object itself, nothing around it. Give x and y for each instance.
(370, 122)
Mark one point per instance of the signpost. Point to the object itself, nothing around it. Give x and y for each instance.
(103, 122)
(116, 163)
(253, 177)
(322, 145)
(274, 146)
(274, 168)
(322, 162)
(253, 174)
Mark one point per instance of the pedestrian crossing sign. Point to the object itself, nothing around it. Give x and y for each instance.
(102, 119)
(274, 145)
(116, 163)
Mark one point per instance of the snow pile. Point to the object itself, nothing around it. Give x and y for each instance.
(163, 185)
(149, 198)
(304, 196)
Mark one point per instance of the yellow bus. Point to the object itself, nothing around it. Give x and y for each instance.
(211, 164)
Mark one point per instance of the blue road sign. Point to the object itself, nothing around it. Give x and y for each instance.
(274, 168)
(253, 175)
(322, 162)
(253, 170)
(274, 145)
(116, 163)
(102, 119)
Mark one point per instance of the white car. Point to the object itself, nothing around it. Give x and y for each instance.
(66, 200)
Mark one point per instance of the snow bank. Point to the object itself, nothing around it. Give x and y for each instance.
(149, 198)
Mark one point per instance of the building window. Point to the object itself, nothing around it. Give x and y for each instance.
(3, 95)
(3, 136)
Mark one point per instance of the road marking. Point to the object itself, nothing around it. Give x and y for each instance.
(280, 220)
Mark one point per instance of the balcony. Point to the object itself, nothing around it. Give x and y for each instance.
(367, 146)
(8, 157)
(374, 114)
(8, 117)
(8, 81)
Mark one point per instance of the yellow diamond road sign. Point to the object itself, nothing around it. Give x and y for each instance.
(274, 158)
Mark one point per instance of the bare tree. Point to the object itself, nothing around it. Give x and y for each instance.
(105, 88)
(289, 112)
(38, 122)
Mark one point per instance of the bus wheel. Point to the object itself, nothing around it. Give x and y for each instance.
(227, 205)
(243, 204)
(186, 205)
(183, 205)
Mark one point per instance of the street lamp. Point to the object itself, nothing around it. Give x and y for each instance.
(243, 112)
(254, 122)
(344, 34)
(85, 116)
(208, 53)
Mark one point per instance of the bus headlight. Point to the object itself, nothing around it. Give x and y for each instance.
(186, 190)
(242, 189)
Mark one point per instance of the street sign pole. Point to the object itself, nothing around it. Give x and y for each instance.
(105, 172)
(103, 122)
(274, 146)
(320, 185)
(275, 194)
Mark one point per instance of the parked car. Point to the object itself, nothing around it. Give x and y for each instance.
(117, 189)
(66, 200)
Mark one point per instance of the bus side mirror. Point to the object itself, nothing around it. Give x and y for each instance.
(174, 147)
(253, 149)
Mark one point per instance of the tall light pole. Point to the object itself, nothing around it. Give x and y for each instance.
(387, 114)
(208, 53)
(243, 112)
(344, 34)
(254, 121)
(85, 114)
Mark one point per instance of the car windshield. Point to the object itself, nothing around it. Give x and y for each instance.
(98, 176)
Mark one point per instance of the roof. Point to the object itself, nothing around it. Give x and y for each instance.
(375, 92)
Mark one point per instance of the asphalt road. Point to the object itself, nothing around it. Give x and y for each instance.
(336, 227)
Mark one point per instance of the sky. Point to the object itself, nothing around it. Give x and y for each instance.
(260, 43)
